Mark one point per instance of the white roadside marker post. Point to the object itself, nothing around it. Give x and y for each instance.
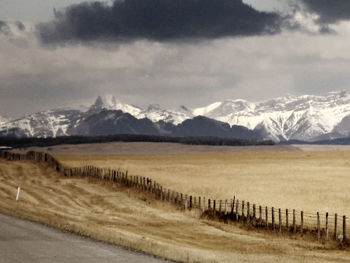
(18, 190)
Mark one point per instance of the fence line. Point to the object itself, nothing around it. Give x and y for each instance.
(258, 216)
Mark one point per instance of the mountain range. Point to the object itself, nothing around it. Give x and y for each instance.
(108, 116)
(307, 118)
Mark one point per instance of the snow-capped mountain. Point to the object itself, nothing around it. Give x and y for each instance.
(109, 102)
(154, 112)
(44, 124)
(61, 122)
(307, 117)
(109, 122)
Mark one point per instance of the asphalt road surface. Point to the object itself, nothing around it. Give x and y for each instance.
(24, 241)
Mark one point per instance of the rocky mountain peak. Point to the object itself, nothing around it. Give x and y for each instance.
(306, 117)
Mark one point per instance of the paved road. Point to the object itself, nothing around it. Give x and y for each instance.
(23, 241)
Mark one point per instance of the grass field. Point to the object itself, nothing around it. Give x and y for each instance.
(127, 217)
(308, 181)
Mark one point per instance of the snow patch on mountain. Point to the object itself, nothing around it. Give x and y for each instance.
(291, 117)
(42, 124)
(307, 117)
(153, 112)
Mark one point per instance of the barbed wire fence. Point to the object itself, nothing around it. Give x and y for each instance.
(323, 227)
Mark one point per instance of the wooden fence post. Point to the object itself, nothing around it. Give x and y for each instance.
(248, 212)
(242, 210)
(335, 225)
(327, 226)
(260, 214)
(287, 218)
(302, 222)
(266, 217)
(279, 220)
(209, 204)
(318, 227)
(181, 200)
(294, 222)
(220, 206)
(203, 207)
(254, 215)
(344, 228)
(225, 207)
(273, 218)
(237, 210)
(214, 206)
(233, 205)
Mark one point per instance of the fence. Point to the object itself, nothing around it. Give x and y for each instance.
(323, 227)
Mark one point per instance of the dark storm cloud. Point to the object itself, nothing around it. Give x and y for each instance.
(330, 11)
(161, 20)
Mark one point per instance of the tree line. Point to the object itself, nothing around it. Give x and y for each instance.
(203, 140)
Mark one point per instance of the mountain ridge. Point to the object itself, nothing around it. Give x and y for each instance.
(306, 118)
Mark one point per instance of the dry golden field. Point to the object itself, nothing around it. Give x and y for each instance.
(130, 218)
(308, 181)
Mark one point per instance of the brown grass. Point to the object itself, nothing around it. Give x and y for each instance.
(309, 181)
(113, 148)
(126, 217)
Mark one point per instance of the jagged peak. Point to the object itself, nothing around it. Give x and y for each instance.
(109, 102)
(288, 117)
(106, 102)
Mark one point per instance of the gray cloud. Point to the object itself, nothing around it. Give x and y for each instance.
(4, 28)
(193, 74)
(160, 20)
(329, 12)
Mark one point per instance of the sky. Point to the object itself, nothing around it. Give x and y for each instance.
(57, 53)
